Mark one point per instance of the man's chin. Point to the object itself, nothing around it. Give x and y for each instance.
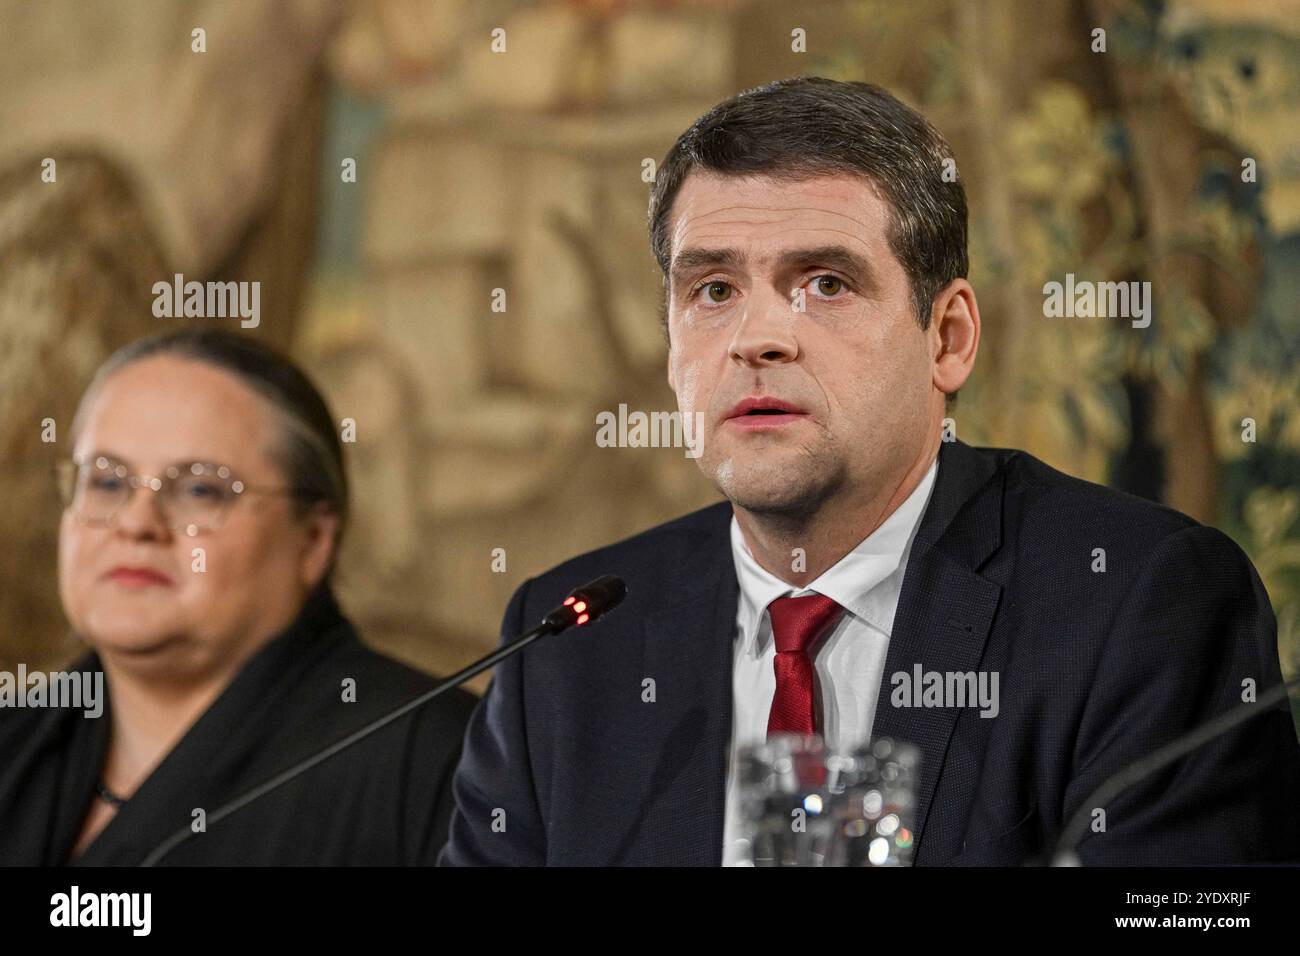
(791, 482)
(789, 498)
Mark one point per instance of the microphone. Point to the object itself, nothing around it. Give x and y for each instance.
(1142, 768)
(588, 602)
(581, 607)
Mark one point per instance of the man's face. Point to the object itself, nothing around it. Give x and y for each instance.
(853, 370)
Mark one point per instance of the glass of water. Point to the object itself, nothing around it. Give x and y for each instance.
(803, 804)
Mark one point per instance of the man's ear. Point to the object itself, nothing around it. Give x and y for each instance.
(954, 335)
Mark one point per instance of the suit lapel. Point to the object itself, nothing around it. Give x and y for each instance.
(945, 609)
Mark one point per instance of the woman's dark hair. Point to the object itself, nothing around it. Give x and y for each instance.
(309, 450)
(810, 125)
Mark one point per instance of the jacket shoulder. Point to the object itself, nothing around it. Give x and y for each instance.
(1046, 504)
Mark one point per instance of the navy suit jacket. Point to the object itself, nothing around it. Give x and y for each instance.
(565, 763)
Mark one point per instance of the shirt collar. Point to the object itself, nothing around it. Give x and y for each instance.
(866, 581)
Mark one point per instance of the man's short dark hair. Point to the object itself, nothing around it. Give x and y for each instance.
(808, 126)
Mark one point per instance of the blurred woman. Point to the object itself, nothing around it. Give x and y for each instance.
(204, 501)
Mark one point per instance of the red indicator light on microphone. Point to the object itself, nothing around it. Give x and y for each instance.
(580, 607)
(569, 600)
(582, 618)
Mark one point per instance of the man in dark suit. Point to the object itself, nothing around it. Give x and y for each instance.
(819, 321)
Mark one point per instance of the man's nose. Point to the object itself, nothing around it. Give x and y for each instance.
(766, 333)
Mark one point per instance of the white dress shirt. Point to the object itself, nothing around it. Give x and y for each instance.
(849, 662)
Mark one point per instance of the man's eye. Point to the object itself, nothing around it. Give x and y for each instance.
(717, 291)
(829, 285)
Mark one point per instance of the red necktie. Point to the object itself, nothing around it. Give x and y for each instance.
(797, 623)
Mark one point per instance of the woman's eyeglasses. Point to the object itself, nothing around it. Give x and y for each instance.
(195, 496)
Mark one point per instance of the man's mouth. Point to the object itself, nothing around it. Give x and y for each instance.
(762, 412)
